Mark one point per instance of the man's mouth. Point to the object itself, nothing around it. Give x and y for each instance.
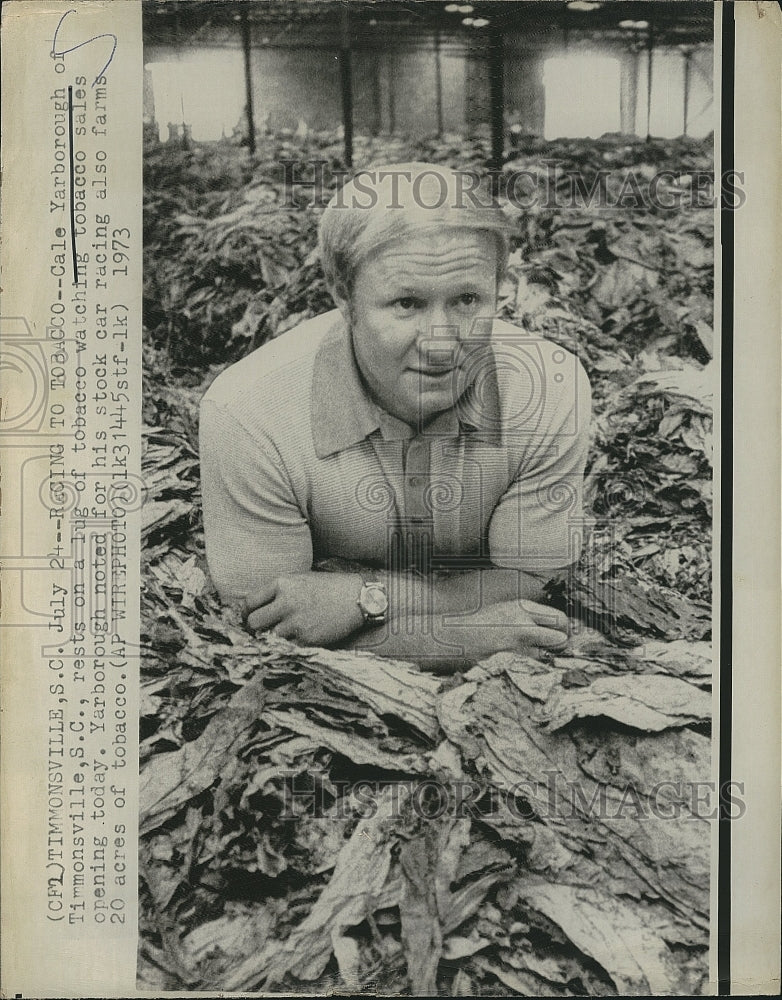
(434, 372)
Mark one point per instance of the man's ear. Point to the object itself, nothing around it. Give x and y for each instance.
(342, 302)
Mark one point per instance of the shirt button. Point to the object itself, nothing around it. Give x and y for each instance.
(415, 480)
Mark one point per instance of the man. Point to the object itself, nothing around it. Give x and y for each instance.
(403, 474)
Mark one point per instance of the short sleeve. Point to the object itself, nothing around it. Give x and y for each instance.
(253, 525)
(539, 524)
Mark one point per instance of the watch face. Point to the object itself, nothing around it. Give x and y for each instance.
(375, 601)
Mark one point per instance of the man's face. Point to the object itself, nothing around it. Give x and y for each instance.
(415, 304)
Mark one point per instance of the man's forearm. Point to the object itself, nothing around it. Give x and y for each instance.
(442, 592)
(471, 590)
(448, 621)
(445, 616)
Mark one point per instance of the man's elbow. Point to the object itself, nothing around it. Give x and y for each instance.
(226, 582)
(536, 584)
(554, 576)
(227, 590)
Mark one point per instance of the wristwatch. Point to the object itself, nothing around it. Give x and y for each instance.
(373, 602)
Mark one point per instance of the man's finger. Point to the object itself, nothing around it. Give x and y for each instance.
(546, 638)
(543, 615)
(286, 630)
(265, 617)
(261, 597)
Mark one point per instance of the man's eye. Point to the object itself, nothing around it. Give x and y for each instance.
(468, 299)
(406, 304)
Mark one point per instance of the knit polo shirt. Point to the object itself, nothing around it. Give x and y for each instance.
(298, 464)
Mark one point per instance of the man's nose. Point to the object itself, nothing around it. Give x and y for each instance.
(438, 341)
(438, 324)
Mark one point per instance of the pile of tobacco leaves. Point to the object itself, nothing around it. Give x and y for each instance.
(315, 820)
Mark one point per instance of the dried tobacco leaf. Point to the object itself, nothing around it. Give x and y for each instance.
(651, 702)
(360, 884)
(616, 829)
(616, 934)
(170, 780)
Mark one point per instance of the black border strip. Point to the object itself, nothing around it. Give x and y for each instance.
(727, 151)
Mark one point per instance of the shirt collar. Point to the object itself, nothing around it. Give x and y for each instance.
(343, 414)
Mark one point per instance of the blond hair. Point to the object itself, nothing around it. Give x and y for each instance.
(388, 203)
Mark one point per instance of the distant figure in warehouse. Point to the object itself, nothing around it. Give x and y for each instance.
(404, 473)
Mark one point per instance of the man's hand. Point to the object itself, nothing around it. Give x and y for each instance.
(520, 626)
(314, 609)
(456, 641)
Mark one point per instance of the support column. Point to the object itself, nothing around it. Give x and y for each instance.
(346, 86)
(687, 68)
(248, 79)
(649, 65)
(438, 83)
(377, 106)
(390, 61)
(496, 96)
(629, 96)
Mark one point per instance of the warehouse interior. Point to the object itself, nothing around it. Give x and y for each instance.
(595, 120)
(578, 69)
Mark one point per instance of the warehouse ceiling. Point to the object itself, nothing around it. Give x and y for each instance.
(322, 23)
